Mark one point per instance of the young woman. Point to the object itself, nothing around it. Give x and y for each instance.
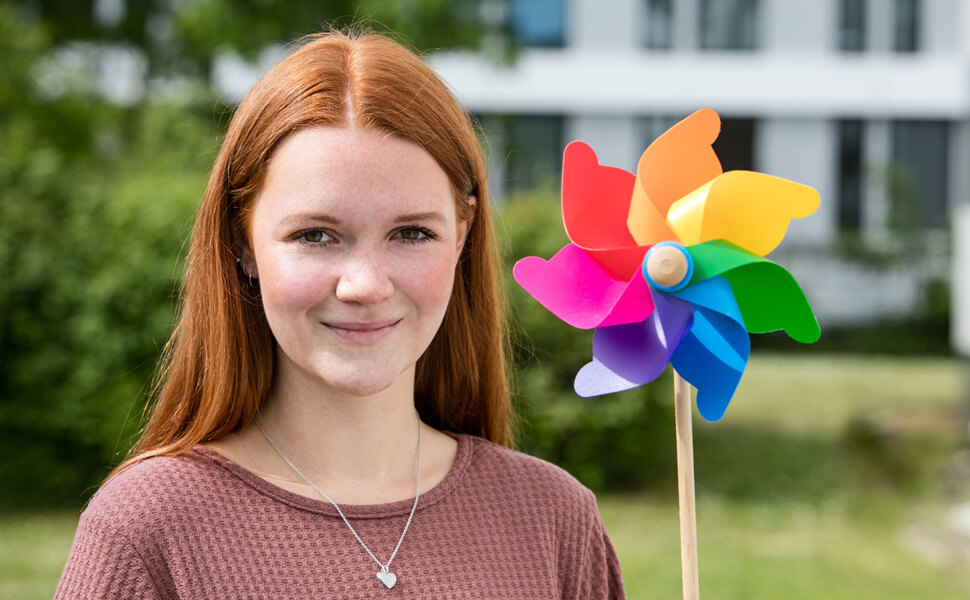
(332, 417)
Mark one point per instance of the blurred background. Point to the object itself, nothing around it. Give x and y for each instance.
(841, 469)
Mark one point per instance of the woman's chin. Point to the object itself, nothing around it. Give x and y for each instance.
(360, 389)
(365, 383)
(357, 377)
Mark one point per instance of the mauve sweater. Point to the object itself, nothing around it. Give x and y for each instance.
(500, 525)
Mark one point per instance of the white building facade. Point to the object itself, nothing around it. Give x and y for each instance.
(868, 101)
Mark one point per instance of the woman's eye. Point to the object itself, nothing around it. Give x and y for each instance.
(314, 236)
(415, 234)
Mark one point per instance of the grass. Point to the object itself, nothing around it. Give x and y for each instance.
(787, 508)
(771, 550)
(33, 547)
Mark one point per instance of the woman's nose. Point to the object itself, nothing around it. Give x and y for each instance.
(364, 280)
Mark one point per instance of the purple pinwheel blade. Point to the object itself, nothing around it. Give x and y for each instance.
(713, 354)
(627, 356)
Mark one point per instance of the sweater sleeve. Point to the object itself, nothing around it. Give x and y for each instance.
(601, 578)
(102, 564)
(588, 567)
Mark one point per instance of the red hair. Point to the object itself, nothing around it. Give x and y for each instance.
(217, 367)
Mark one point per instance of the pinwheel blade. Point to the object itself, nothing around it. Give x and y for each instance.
(676, 163)
(577, 290)
(595, 202)
(714, 293)
(751, 210)
(627, 356)
(713, 354)
(767, 295)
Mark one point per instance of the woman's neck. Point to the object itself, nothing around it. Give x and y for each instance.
(359, 440)
(359, 450)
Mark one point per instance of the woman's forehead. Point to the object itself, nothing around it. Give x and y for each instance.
(346, 173)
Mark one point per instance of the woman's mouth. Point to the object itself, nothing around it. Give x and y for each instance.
(361, 332)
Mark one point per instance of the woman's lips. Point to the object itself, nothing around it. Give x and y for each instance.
(362, 333)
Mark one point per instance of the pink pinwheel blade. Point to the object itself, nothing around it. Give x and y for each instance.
(577, 290)
(627, 356)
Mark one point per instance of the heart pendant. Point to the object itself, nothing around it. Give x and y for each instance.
(387, 578)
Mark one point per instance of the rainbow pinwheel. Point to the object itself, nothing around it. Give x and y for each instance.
(705, 232)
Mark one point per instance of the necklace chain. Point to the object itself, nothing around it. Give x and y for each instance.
(385, 567)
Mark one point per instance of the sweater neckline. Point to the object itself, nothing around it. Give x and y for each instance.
(356, 511)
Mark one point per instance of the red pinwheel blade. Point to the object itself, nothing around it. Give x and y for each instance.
(595, 202)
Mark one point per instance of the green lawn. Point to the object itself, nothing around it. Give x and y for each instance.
(785, 508)
(32, 552)
(770, 550)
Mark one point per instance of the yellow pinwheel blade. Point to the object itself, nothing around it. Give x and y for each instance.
(751, 210)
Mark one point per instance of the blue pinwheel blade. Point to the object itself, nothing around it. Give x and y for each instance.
(713, 354)
(715, 294)
(627, 356)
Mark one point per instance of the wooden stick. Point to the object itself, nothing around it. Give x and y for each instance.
(685, 484)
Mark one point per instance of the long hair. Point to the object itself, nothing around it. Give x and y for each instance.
(218, 365)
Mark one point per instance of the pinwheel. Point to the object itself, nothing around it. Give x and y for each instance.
(667, 266)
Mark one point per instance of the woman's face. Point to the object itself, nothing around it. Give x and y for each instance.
(354, 239)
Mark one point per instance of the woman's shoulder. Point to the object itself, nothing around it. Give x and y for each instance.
(534, 478)
(156, 490)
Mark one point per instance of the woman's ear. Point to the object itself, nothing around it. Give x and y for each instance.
(244, 253)
(465, 225)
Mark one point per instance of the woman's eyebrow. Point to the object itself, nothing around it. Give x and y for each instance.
(421, 216)
(332, 220)
(311, 216)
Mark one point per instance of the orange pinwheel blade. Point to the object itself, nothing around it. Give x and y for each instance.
(676, 163)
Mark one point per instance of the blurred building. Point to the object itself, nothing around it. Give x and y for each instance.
(868, 101)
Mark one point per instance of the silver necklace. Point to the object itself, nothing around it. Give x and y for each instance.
(387, 577)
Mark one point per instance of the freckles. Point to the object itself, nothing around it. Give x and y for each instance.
(433, 284)
(295, 284)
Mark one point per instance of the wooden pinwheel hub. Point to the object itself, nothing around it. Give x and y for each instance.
(668, 267)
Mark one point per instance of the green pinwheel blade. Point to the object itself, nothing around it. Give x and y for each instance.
(769, 297)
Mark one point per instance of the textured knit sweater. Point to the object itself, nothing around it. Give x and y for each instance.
(500, 525)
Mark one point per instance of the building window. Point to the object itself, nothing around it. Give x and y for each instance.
(653, 126)
(537, 22)
(527, 150)
(852, 26)
(660, 25)
(734, 146)
(917, 176)
(906, 25)
(851, 135)
(728, 24)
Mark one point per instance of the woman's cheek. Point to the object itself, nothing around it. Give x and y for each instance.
(430, 286)
(296, 285)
